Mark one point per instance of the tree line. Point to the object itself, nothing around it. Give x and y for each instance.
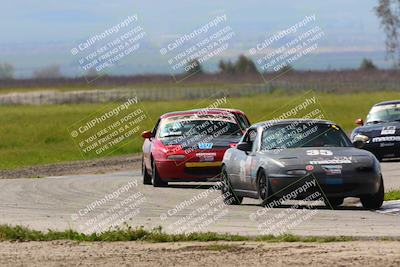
(243, 65)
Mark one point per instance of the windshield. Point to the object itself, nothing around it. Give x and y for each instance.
(190, 125)
(244, 123)
(384, 113)
(303, 135)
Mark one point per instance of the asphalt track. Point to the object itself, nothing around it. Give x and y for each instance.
(64, 202)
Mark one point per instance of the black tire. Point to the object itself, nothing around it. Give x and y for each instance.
(146, 175)
(230, 197)
(334, 202)
(264, 188)
(374, 201)
(155, 177)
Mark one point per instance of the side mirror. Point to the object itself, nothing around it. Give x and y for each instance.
(358, 143)
(244, 146)
(359, 122)
(147, 134)
(360, 140)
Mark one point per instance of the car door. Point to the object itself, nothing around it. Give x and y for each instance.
(241, 172)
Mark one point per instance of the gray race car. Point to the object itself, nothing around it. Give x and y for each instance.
(276, 158)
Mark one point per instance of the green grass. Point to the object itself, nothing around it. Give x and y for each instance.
(33, 135)
(20, 233)
(392, 195)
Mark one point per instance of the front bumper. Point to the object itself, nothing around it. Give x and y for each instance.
(188, 171)
(384, 149)
(345, 185)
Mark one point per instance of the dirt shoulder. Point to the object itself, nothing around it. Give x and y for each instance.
(69, 253)
(111, 164)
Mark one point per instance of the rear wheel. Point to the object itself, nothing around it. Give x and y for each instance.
(264, 189)
(230, 197)
(155, 177)
(334, 202)
(374, 201)
(146, 175)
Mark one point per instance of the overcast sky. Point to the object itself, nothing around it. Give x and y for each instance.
(33, 29)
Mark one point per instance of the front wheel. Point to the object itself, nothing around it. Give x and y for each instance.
(146, 175)
(264, 189)
(230, 197)
(155, 177)
(374, 201)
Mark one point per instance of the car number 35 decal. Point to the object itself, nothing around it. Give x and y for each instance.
(316, 152)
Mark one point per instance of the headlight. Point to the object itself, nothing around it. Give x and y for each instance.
(296, 172)
(361, 137)
(176, 157)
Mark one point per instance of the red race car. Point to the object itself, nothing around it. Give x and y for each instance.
(189, 145)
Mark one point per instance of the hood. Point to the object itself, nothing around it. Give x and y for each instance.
(319, 155)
